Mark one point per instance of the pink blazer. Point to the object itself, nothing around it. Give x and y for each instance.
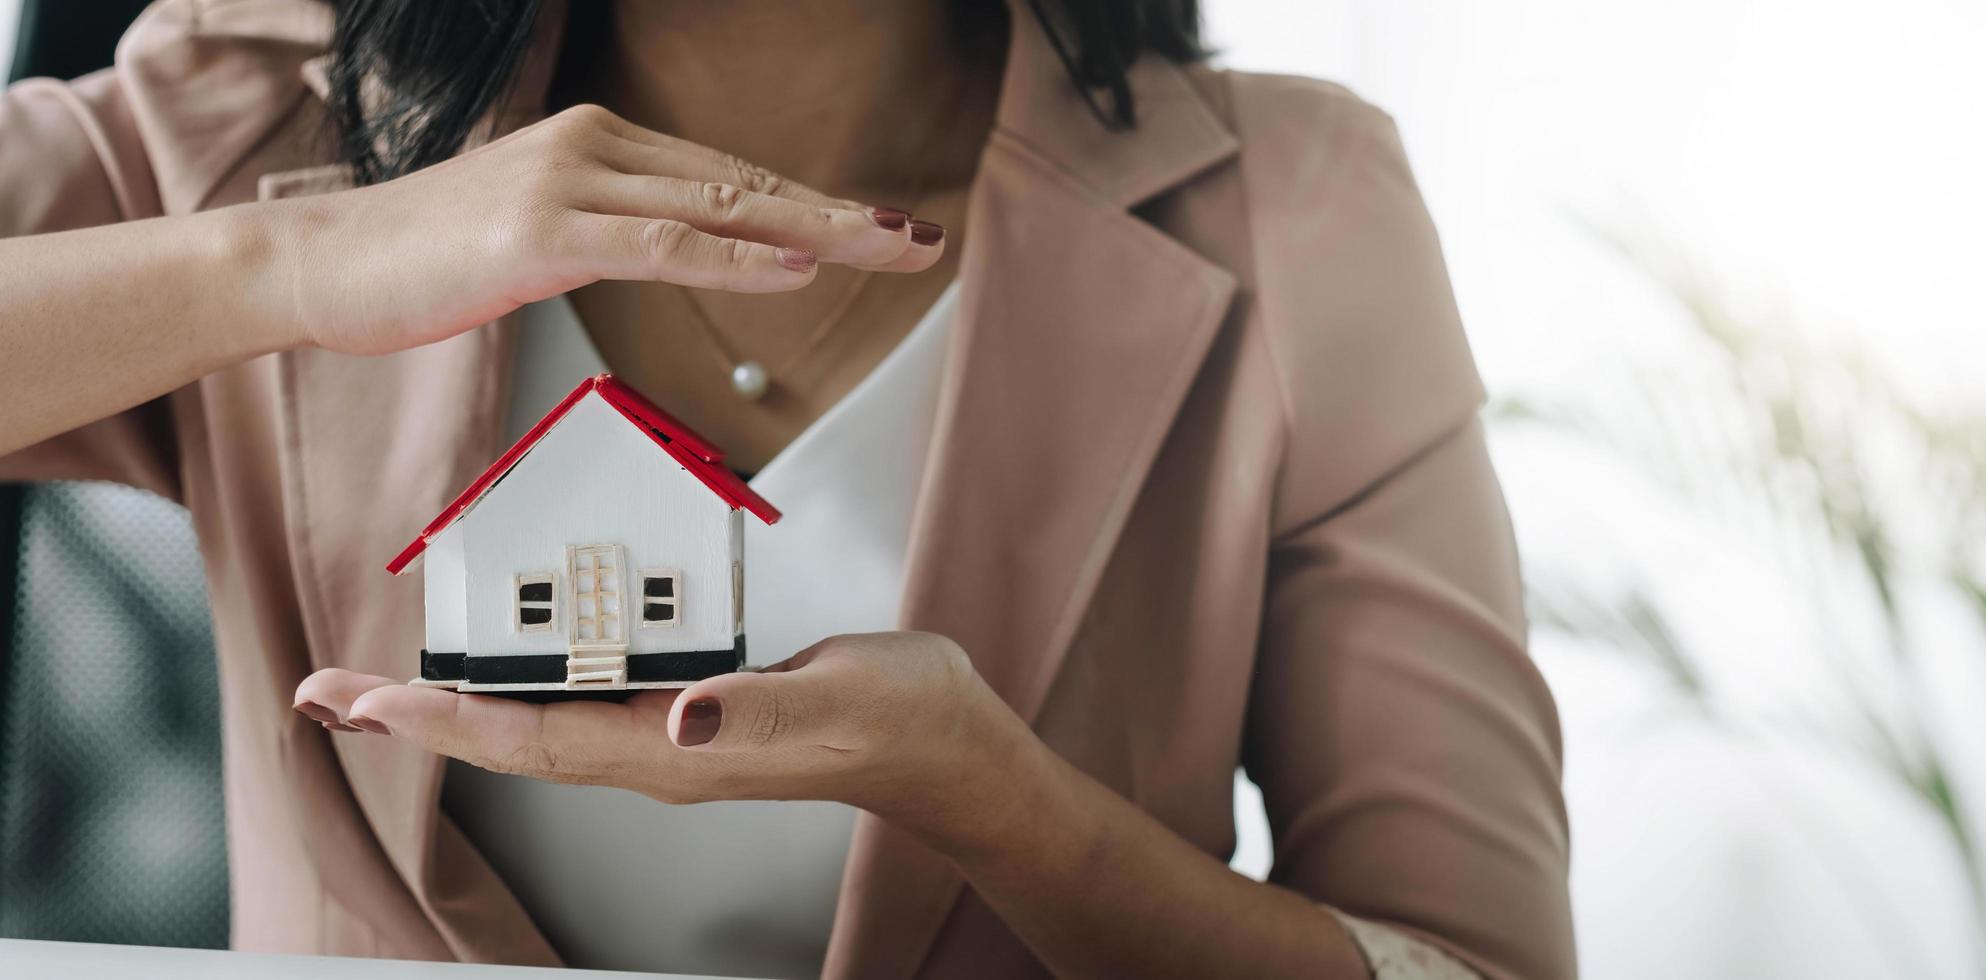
(1209, 490)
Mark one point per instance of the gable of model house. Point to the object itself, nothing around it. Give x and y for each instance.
(595, 477)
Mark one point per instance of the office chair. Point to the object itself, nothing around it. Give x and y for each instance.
(111, 821)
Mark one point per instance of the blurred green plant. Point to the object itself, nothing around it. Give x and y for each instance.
(1874, 506)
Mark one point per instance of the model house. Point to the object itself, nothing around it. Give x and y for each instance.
(604, 551)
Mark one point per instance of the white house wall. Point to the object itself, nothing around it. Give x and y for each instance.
(596, 479)
(738, 559)
(447, 603)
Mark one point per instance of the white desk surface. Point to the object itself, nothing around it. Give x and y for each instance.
(90, 961)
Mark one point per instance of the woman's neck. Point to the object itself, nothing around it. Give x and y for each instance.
(871, 99)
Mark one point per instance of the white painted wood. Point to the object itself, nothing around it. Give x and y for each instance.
(448, 604)
(467, 687)
(737, 572)
(594, 479)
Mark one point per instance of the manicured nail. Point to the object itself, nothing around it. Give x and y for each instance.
(801, 260)
(701, 719)
(926, 233)
(890, 218)
(367, 724)
(316, 712)
(332, 726)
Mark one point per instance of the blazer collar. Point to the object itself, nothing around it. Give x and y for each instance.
(1082, 327)
(1177, 135)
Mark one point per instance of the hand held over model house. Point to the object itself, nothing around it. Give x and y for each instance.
(895, 723)
(579, 197)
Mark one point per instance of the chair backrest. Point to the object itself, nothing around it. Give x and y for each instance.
(111, 817)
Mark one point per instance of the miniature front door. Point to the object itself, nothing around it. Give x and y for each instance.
(598, 620)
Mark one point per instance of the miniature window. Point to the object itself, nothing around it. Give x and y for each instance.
(534, 603)
(661, 598)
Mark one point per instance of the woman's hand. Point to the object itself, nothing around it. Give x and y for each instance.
(152, 305)
(895, 723)
(899, 725)
(578, 197)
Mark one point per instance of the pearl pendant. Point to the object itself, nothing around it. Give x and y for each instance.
(749, 381)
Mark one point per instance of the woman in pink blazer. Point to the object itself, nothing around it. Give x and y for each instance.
(1207, 490)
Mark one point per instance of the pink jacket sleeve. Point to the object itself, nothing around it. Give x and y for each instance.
(1407, 747)
(69, 158)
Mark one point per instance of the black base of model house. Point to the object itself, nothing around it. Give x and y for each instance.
(550, 668)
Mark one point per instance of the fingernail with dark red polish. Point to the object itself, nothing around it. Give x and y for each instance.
(890, 218)
(701, 719)
(926, 233)
(316, 712)
(801, 260)
(367, 724)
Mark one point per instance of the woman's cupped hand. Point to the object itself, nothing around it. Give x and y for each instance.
(895, 723)
(570, 200)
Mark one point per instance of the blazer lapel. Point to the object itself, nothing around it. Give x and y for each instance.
(378, 446)
(374, 447)
(1082, 329)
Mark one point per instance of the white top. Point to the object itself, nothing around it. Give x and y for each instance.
(746, 888)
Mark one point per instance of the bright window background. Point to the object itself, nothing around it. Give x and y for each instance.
(1821, 164)
(10, 15)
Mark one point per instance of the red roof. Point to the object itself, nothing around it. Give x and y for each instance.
(696, 453)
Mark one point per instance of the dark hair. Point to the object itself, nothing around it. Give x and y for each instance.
(410, 78)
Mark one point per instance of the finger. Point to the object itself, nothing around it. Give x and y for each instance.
(326, 696)
(663, 249)
(567, 742)
(635, 150)
(643, 152)
(794, 662)
(927, 246)
(753, 712)
(472, 728)
(874, 238)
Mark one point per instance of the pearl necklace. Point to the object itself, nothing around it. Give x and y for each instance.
(749, 378)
